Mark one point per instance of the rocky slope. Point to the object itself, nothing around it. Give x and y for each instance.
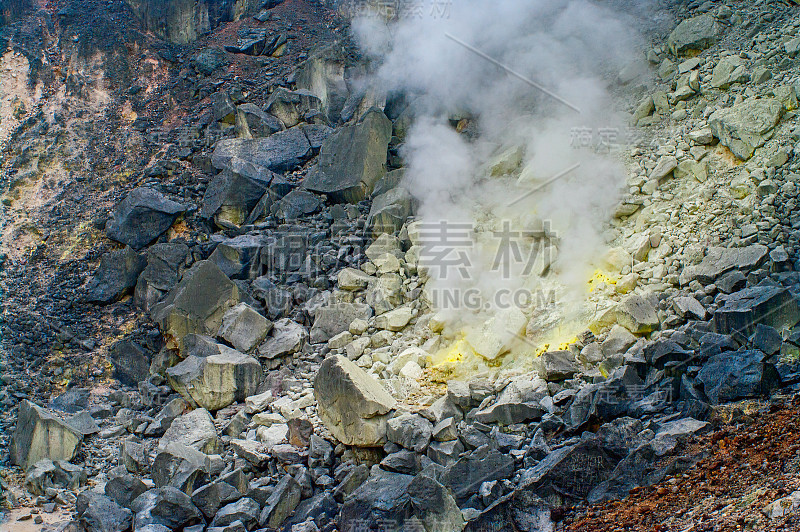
(217, 311)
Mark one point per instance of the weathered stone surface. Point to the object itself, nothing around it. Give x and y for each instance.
(215, 381)
(696, 33)
(495, 336)
(352, 404)
(382, 498)
(123, 489)
(259, 123)
(39, 434)
(334, 319)
(352, 160)
(410, 431)
(768, 305)
(232, 196)
(115, 277)
(281, 503)
(211, 497)
(636, 314)
(196, 430)
(720, 261)
(466, 475)
(131, 362)
(296, 204)
(98, 513)
(165, 263)
(390, 210)
(168, 506)
(287, 337)
(142, 217)
(181, 467)
(196, 304)
(517, 403)
(731, 69)
(257, 158)
(245, 510)
(520, 510)
(238, 257)
(60, 474)
(557, 365)
(746, 126)
(742, 374)
(244, 328)
(394, 320)
(434, 505)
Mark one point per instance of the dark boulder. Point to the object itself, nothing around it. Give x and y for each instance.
(742, 374)
(115, 277)
(141, 217)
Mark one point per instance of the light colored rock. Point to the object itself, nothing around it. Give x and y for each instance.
(394, 320)
(637, 315)
(352, 279)
(664, 167)
(746, 126)
(194, 429)
(352, 404)
(496, 335)
(287, 337)
(694, 34)
(39, 435)
(215, 381)
(244, 327)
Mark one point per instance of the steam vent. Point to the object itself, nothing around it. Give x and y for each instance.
(400, 266)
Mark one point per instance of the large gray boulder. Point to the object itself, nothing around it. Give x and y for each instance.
(287, 338)
(465, 476)
(232, 196)
(244, 328)
(196, 430)
(115, 277)
(144, 215)
(281, 152)
(351, 403)
(352, 160)
(39, 435)
(165, 263)
(694, 34)
(131, 362)
(637, 314)
(60, 474)
(334, 319)
(216, 381)
(284, 499)
(98, 513)
(390, 210)
(196, 304)
(719, 261)
(384, 498)
(768, 305)
(732, 376)
(182, 467)
(746, 126)
(168, 506)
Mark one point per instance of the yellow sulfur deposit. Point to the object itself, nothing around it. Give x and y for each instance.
(600, 277)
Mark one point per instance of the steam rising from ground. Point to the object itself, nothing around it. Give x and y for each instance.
(494, 175)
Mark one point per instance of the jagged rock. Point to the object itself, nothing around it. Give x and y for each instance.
(168, 507)
(517, 403)
(223, 108)
(390, 210)
(353, 279)
(281, 503)
(290, 106)
(731, 69)
(131, 362)
(334, 319)
(196, 304)
(394, 320)
(568, 474)
(445, 453)
(352, 404)
(520, 510)
(134, 457)
(259, 123)
(238, 257)
(278, 302)
(690, 308)
(84, 423)
(39, 435)
(115, 277)
(618, 341)
(466, 475)
(196, 430)
(244, 510)
(166, 416)
(434, 505)
(766, 339)
(352, 160)
(410, 431)
(720, 261)
(252, 451)
(244, 328)
(211, 497)
(233, 195)
(49, 474)
(164, 266)
(383, 498)
(747, 125)
(402, 461)
(495, 336)
(215, 381)
(208, 61)
(258, 158)
(142, 217)
(181, 467)
(768, 305)
(732, 376)
(636, 314)
(664, 167)
(98, 513)
(287, 337)
(557, 365)
(123, 489)
(694, 34)
(296, 204)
